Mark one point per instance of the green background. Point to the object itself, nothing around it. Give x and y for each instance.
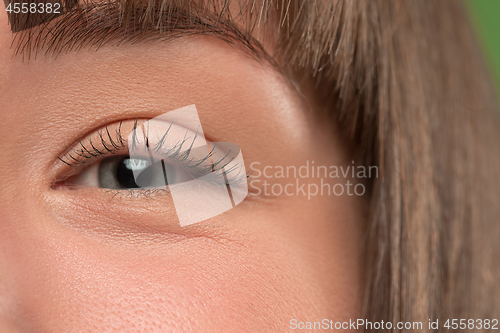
(485, 15)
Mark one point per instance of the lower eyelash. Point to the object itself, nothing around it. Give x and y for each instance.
(137, 193)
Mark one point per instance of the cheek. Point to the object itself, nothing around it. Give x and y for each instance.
(65, 280)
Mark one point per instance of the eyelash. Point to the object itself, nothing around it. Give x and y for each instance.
(90, 154)
(87, 153)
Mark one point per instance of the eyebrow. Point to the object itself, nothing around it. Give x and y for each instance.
(95, 24)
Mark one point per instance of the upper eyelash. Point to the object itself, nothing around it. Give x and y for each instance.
(87, 151)
(92, 152)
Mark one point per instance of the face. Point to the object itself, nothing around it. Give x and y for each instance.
(92, 259)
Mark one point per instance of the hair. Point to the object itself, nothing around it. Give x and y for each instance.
(405, 84)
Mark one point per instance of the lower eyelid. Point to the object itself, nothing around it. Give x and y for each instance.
(119, 215)
(113, 214)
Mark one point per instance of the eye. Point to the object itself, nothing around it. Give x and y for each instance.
(124, 172)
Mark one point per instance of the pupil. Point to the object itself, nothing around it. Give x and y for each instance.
(125, 176)
(117, 172)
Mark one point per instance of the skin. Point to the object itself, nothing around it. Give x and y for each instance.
(87, 261)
